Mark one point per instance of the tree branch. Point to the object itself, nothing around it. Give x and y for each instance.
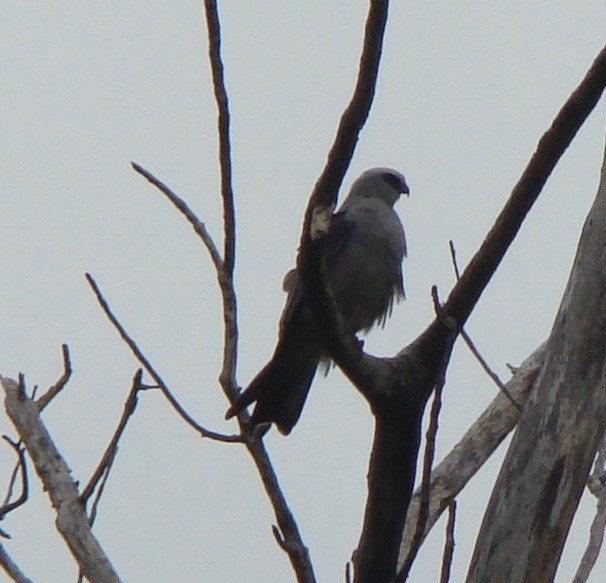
(400, 389)
(198, 226)
(453, 473)
(597, 486)
(45, 399)
(472, 347)
(430, 449)
(104, 466)
(214, 54)
(54, 473)
(548, 461)
(152, 372)
(11, 568)
(449, 544)
(9, 506)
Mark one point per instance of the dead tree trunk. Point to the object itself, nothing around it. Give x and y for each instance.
(549, 459)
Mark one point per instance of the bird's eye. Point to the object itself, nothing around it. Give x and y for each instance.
(396, 182)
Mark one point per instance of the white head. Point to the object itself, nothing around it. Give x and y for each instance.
(382, 183)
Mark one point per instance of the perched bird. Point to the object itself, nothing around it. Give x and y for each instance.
(365, 247)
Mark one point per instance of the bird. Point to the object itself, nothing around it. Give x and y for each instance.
(365, 247)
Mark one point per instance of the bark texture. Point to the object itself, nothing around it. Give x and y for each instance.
(72, 521)
(546, 468)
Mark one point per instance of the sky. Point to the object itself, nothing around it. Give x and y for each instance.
(466, 89)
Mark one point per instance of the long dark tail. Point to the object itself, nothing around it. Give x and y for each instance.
(281, 387)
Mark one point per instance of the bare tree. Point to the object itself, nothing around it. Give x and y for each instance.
(557, 393)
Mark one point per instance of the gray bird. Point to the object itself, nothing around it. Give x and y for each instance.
(365, 247)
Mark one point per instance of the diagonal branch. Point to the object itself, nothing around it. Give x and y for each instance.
(45, 399)
(54, 473)
(472, 347)
(343, 347)
(150, 369)
(449, 544)
(597, 486)
(550, 149)
(11, 568)
(198, 226)
(9, 506)
(355, 115)
(104, 466)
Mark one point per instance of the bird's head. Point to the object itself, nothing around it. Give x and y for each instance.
(383, 183)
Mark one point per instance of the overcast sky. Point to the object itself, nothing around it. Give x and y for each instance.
(465, 91)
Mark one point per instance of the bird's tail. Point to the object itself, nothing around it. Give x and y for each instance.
(280, 388)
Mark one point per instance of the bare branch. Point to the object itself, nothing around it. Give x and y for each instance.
(550, 149)
(288, 529)
(150, 369)
(11, 568)
(45, 399)
(597, 486)
(354, 117)
(214, 53)
(453, 257)
(449, 544)
(104, 466)
(493, 375)
(55, 475)
(8, 506)
(198, 226)
(430, 450)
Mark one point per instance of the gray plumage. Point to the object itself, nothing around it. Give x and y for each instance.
(364, 253)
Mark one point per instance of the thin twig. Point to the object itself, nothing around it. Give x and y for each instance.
(8, 506)
(45, 399)
(470, 344)
(109, 456)
(11, 481)
(198, 226)
(95, 505)
(11, 568)
(453, 256)
(214, 53)
(449, 545)
(150, 369)
(480, 441)
(597, 486)
(430, 448)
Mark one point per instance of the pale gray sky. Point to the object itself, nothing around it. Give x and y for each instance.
(465, 91)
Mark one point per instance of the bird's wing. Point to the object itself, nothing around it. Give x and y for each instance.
(339, 232)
